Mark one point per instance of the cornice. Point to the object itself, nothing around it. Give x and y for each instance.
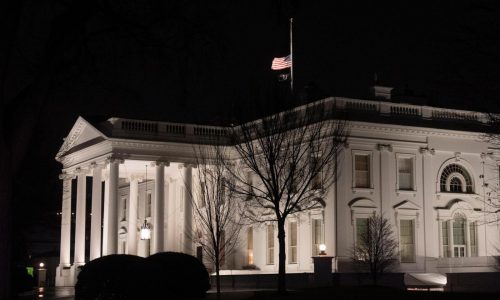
(405, 130)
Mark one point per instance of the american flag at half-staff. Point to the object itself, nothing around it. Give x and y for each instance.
(280, 63)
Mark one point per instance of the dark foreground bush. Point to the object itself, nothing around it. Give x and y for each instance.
(111, 277)
(177, 274)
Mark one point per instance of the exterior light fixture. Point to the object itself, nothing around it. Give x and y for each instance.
(42, 265)
(146, 228)
(322, 249)
(145, 231)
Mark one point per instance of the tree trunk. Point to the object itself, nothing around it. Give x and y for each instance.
(217, 275)
(282, 257)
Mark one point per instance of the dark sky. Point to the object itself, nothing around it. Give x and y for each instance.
(204, 60)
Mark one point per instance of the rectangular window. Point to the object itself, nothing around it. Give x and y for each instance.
(473, 238)
(405, 173)
(459, 237)
(317, 235)
(407, 241)
(446, 239)
(361, 230)
(459, 232)
(270, 245)
(362, 171)
(292, 243)
(250, 246)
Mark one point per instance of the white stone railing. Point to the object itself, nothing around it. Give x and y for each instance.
(190, 132)
(124, 128)
(402, 109)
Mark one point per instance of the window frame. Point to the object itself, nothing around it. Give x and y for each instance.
(289, 242)
(465, 168)
(412, 157)
(270, 258)
(250, 248)
(413, 220)
(316, 155)
(370, 169)
(449, 217)
(314, 246)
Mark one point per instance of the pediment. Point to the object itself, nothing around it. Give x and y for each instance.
(362, 203)
(406, 205)
(80, 135)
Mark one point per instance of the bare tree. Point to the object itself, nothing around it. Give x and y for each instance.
(215, 210)
(286, 163)
(375, 248)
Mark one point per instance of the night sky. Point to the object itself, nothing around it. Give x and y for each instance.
(207, 61)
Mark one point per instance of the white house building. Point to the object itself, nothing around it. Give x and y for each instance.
(428, 170)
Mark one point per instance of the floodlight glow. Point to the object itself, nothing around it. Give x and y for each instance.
(322, 249)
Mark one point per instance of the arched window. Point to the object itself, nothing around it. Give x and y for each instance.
(455, 179)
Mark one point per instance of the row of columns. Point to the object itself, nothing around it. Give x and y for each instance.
(109, 216)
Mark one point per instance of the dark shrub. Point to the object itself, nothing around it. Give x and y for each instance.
(177, 274)
(111, 277)
(22, 280)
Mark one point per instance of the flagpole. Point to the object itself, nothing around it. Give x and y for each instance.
(291, 54)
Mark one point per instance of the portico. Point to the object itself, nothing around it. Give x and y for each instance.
(124, 192)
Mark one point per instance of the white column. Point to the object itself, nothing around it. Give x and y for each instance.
(132, 215)
(105, 214)
(65, 253)
(111, 209)
(158, 211)
(188, 209)
(95, 226)
(81, 200)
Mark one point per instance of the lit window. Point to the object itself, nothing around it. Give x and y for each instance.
(270, 245)
(405, 173)
(317, 236)
(362, 171)
(250, 246)
(407, 241)
(292, 247)
(361, 230)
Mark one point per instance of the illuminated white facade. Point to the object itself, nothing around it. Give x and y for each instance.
(416, 165)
